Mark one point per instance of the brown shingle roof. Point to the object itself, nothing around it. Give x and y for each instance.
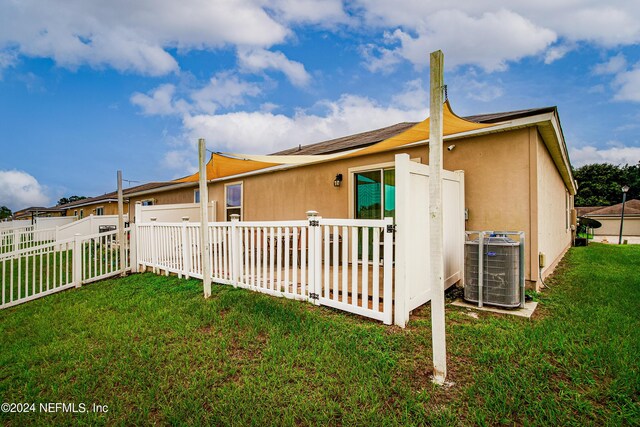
(584, 210)
(348, 142)
(114, 194)
(365, 139)
(631, 207)
(509, 115)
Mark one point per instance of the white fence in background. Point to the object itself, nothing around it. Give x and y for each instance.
(25, 237)
(15, 239)
(89, 225)
(173, 213)
(44, 222)
(41, 270)
(341, 263)
(20, 223)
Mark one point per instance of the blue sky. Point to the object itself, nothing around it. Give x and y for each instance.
(86, 89)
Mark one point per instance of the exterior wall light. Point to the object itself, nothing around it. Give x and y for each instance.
(338, 181)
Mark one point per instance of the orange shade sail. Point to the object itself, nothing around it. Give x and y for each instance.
(228, 164)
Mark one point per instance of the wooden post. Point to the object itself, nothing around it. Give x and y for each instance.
(121, 234)
(204, 219)
(436, 224)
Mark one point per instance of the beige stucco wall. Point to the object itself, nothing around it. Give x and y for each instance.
(496, 178)
(511, 184)
(611, 226)
(553, 209)
(110, 208)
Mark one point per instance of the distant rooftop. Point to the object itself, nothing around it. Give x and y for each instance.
(631, 207)
(114, 194)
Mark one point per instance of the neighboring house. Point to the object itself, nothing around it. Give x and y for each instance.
(609, 217)
(517, 178)
(107, 204)
(38, 211)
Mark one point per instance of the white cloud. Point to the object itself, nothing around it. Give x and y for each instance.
(7, 59)
(256, 60)
(265, 132)
(557, 52)
(473, 87)
(489, 41)
(159, 102)
(326, 12)
(19, 190)
(627, 84)
(614, 65)
(134, 36)
(492, 33)
(617, 155)
(224, 90)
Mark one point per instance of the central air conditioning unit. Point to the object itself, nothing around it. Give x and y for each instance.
(494, 268)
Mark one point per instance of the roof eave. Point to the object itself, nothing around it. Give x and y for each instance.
(554, 141)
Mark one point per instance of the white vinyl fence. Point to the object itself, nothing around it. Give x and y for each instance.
(43, 269)
(173, 212)
(413, 287)
(44, 222)
(341, 263)
(19, 223)
(24, 237)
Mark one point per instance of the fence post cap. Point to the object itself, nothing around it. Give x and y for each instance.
(235, 217)
(312, 214)
(185, 218)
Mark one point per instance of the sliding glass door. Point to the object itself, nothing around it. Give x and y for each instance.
(375, 198)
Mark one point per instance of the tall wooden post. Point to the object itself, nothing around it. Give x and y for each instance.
(204, 218)
(121, 234)
(436, 223)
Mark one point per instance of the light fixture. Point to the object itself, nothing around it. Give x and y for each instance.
(451, 147)
(338, 181)
(624, 189)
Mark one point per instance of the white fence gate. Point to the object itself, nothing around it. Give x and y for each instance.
(345, 264)
(43, 269)
(412, 239)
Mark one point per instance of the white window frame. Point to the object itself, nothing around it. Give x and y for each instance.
(241, 207)
(153, 202)
(567, 201)
(75, 212)
(81, 213)
(196, 195)
(367, 168)
(97, 210)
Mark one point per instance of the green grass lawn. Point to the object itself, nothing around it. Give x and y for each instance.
(154, 351)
